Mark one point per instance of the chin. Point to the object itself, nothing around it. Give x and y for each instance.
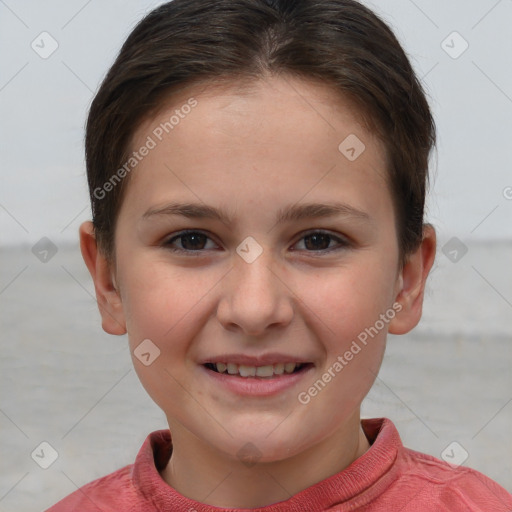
(264, 443)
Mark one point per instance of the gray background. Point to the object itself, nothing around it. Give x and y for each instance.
(66, 382)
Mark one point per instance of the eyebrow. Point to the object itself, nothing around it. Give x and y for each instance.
(294, 212)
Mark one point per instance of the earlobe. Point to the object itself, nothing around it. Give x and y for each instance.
(107, 296)
(411, 284)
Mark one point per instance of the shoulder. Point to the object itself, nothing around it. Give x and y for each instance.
(107, 493)
(129, 488)
(450, 487)
(411, 481)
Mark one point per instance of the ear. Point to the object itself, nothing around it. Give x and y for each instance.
(411, 284)
(107, 296)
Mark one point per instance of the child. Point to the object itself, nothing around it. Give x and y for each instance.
(291, 138)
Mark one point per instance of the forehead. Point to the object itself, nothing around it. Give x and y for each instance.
(267, 137)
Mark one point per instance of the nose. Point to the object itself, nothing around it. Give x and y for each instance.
(255, 298)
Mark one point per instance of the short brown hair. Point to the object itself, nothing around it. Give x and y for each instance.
(339, 42)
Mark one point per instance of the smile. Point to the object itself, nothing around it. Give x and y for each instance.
(267, 371)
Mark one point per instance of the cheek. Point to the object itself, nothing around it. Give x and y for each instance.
(167, 307)
(159, 299)
(346, 314)
(347, 300)
(346, 311)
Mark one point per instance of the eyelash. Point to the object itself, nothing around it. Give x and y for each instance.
(343, 243)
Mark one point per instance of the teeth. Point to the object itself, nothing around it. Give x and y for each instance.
(289, 367)
(264, 371)
(279, 368)
(247, 371)
(256, 371)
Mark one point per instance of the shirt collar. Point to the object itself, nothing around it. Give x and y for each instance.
(363, 480)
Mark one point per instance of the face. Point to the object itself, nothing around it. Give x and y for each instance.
(257, 233)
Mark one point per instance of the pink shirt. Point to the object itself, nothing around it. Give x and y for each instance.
(388, 477)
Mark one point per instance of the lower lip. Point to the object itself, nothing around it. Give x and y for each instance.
(258, 386)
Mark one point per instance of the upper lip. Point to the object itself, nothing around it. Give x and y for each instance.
(262, 360)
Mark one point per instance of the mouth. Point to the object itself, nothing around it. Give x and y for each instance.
(269, 371)
(261, 377)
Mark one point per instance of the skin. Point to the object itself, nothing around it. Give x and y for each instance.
(254, 152)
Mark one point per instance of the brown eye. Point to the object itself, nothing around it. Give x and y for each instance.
(193, 241)
(322, 241)
(188, 241)
(318, 241)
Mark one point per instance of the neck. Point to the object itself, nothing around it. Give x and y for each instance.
(206, 475)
